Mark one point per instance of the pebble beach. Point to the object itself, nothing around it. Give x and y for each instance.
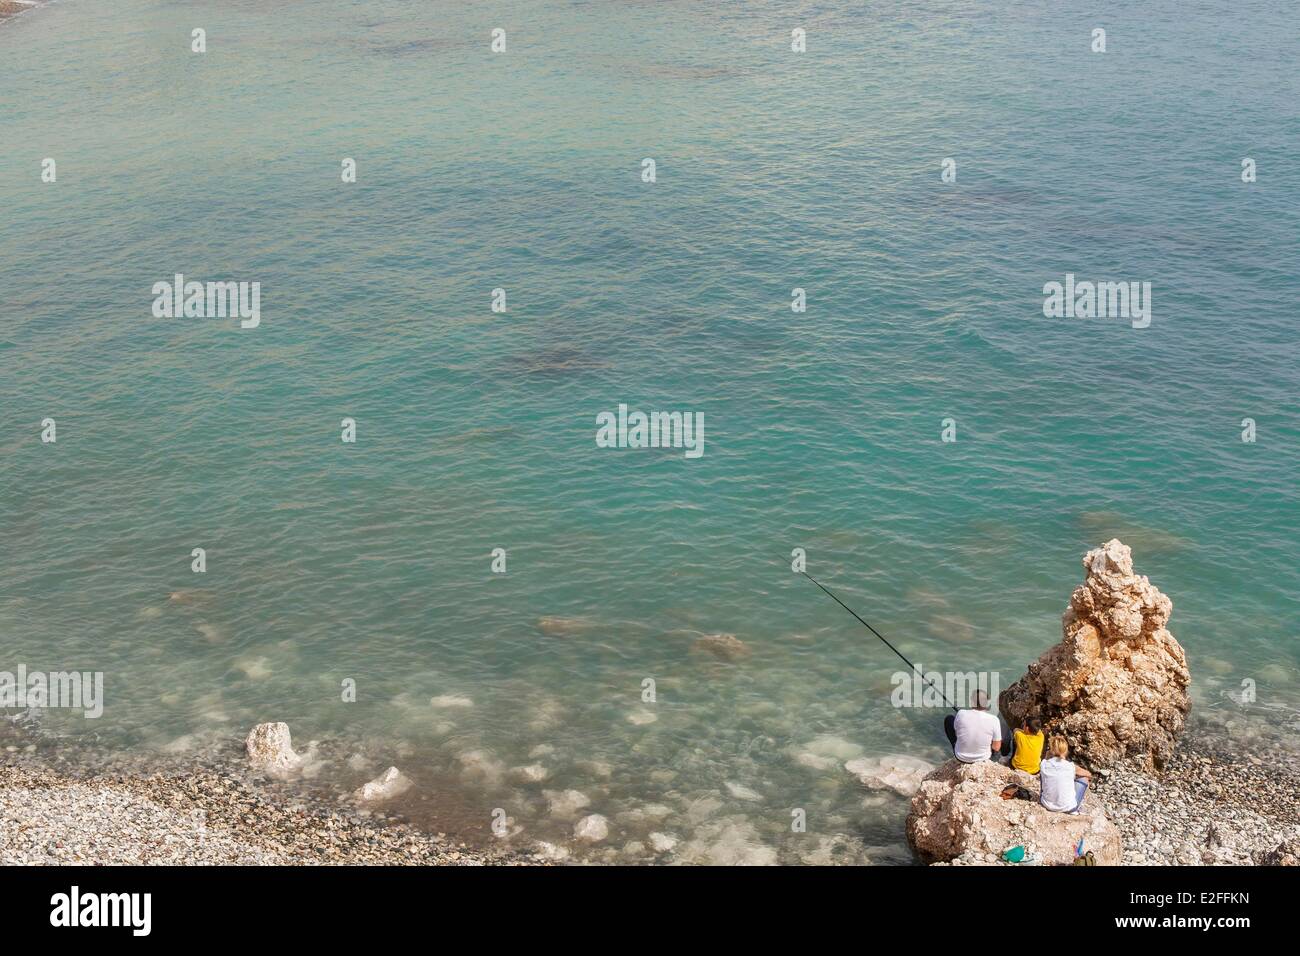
(200, 816)
(1209, 806)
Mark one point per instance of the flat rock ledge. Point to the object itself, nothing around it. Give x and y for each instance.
(958, 814)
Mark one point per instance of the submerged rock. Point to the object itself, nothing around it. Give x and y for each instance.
(1116, 685)
(662, 842)
(742, 792)
(897, 772)
(558, 626)
(551, 852)
(959, 812)
(729, 842)
(480, 766)
(725, 647)
(270, 748)
(592, 828)
(533, 773)
(391, 783)
(444, 701)
(566, 803)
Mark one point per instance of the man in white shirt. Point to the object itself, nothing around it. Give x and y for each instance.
(975, 734)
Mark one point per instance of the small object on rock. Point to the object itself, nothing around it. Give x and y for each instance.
(391, 783)
(270, 748)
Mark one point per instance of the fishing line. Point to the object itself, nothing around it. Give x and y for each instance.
(915, 669)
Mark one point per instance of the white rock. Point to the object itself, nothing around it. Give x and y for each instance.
(642, 717)
(741, 792)
(254, 668)
(828, 745)
(391, 783)
(451, 700)
(565, 803)
(730, 842)
(549, 851)
(533, 773)
(592, 828)
(662, 842)
(649, 811)
(270, 748)
(898, 772)
(701, 808)
(815, 761)
(481, 766)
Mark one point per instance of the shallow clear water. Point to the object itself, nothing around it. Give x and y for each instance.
(371, 561)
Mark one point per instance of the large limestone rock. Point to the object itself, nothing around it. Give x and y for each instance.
(1116, 685)
(959, 811)
(270, 748)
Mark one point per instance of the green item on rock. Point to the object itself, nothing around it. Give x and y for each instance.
(1014, 855)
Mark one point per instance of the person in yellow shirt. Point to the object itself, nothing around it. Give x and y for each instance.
(1027, 746)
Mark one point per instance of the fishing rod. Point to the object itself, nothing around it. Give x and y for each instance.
(915, 669)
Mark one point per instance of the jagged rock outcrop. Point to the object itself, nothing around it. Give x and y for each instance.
(270, 748)
(1116, 685)
(959, 812)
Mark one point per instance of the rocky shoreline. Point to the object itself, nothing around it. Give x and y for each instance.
(1115, 688)
(204, 816)
(1210, 805)
(1115, 692)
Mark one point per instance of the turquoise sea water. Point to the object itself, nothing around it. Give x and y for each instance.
(476, 430)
